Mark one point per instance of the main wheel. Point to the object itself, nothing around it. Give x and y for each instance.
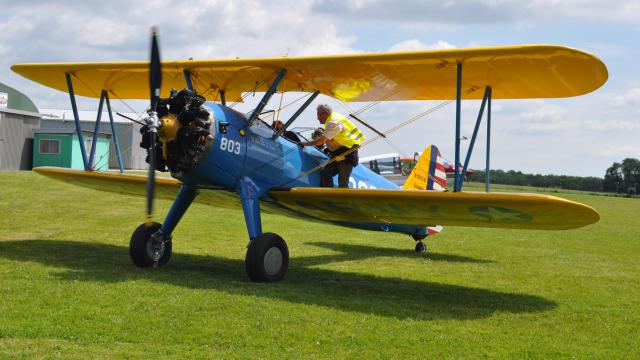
(142, 250)
(421, 247)
(267, 258)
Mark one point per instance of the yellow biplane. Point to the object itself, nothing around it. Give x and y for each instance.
(237, 160)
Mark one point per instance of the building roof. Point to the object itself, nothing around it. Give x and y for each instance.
(17, 100)
(67, 132)
(85, 115)
(20, 112)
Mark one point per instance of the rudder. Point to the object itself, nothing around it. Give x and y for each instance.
(428, 173)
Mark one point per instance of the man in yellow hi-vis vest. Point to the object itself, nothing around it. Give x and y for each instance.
(342, 138)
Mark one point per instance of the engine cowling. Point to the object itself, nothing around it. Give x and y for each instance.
(185, 132)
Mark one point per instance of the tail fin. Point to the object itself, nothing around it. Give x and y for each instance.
(428, 173)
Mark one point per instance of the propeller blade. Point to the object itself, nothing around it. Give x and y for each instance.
(155, 71)
(151, 177)
(155, 83)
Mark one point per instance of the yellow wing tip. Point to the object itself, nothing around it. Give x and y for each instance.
(592, 215)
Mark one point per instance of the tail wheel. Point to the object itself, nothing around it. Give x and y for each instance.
(144, 251)
(421, 247)
(267, 258)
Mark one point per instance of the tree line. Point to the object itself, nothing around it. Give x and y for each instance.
(512, 177)
(621, 178)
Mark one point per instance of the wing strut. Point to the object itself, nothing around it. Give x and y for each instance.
(458, 109)
(104, 97)
(187, 79)
(486, 101)
(266, 97)
(72, 96)
(488, 143)
(114, 134)
(296, 114)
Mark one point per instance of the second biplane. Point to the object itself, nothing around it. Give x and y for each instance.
(231, 159)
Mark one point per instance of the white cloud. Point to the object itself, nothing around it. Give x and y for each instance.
(465, 12)
(630, 98)
(534, 117)
(415, 11)
(623, 10)
(621, 151)
(612, 125)
(119, 30)
(415, 44)
(105, 32)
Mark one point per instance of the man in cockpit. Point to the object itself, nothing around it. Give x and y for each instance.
(277, 125)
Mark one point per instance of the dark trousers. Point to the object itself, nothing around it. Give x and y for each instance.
(342, 168)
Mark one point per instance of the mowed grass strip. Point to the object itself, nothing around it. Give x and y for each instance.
(69, 290)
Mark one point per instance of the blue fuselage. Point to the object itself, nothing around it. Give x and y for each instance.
(240, 151)
(249, 151)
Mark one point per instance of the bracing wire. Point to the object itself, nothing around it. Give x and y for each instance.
(195, 79)
(372, 104)
(367, 107)
(368, 142)
(394, 129)
(378, 137)
(244, 96)
(296, 100)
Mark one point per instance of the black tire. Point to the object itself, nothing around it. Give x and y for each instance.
(421, 247)
(267, 258)
(140, 247)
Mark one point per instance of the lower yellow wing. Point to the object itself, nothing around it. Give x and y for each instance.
(131, 184)
(409, 207)
(424, 208)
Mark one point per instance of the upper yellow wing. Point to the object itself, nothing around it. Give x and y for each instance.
(513, 72)
(424, 208)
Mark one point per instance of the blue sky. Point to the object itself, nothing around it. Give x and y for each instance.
(578, 136)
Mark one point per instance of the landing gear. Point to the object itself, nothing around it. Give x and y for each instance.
(149, 246)
(267, 258)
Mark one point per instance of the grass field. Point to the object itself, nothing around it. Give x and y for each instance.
(69, 290)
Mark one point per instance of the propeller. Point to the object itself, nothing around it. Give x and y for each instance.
(155, 83)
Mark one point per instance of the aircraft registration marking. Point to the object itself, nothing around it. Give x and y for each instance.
(230, 146)
(360, 184)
